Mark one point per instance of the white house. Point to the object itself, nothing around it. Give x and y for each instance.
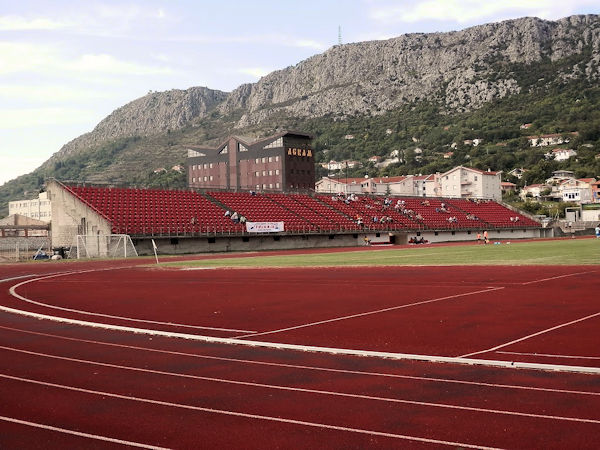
(466, 182)
(39, 208)
(573, 190)
(561, 154)
(534, 190)
(558, 176)
(517, 172)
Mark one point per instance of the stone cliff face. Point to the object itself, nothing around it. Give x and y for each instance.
(154, 113)
(462, 70)
(458, 68)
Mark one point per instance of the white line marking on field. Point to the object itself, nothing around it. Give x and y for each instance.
(547, 330)
(13, 292)
(309, 391)
(558, 277)
(245, 415)
(78, 433)
(352, 316)
(311, 368)
(549, 355)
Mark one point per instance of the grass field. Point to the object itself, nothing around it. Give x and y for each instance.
(557, 252)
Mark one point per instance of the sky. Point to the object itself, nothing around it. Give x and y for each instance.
(67, 64)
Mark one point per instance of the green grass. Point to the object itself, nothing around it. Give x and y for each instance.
(558, 252)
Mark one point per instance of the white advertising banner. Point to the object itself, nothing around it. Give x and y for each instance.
(264, 227)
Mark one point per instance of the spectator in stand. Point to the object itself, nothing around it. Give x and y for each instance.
(243, 219)
(235, 217)
(227, 213)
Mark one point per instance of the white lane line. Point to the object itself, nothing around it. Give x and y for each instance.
(312, 348)
(310, 391)
(80, 434)
(546, 355)
(245, 415)
(20, 277)
(352, 316)
(14, 293)
(524, 338)
(558, 277)
(311, 368)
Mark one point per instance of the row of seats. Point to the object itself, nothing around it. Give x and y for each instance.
(139, 211)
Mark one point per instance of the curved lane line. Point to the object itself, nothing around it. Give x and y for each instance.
(310, 348)
(14, 293)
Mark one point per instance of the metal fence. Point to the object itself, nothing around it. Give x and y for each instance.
(14, 249)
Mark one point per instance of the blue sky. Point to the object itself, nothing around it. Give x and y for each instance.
(65, 65)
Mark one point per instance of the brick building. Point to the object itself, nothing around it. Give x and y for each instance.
(282, 162)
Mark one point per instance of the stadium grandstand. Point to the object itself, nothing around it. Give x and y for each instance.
(186, 221)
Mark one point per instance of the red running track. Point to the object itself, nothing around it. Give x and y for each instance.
(71, 386)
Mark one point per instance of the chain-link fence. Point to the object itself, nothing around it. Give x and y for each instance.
(14, 249)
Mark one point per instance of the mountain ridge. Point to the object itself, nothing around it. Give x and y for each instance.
(459, 71)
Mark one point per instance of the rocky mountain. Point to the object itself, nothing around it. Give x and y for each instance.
(462, 70)
(458, 71)
(155, 113)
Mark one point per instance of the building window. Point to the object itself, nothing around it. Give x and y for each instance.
(277, 159)
(475, 177)
(223, 151)
(264, 172)
(257, 160)
(264, 160)
(270, 172)
(277, 185)
(256, 174)
(276, 171)
(211, 178)
(242, 148)
(210, 165)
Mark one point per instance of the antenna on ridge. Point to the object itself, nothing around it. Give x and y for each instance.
(339, 35)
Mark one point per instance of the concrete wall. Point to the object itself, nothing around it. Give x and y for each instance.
(174, 246)
(462, 236)
(70, 217)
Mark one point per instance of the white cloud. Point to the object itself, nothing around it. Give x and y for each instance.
(466, 11)
(45, 59)
(109, 64)
(18, 23)
(12, 166)
(31, 117)
(256, 72)
(272, 39)
(48, 93)
(21, 57)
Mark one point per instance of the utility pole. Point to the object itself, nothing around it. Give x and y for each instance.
(339, 35)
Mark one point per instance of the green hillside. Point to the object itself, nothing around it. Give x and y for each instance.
(551, 106)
